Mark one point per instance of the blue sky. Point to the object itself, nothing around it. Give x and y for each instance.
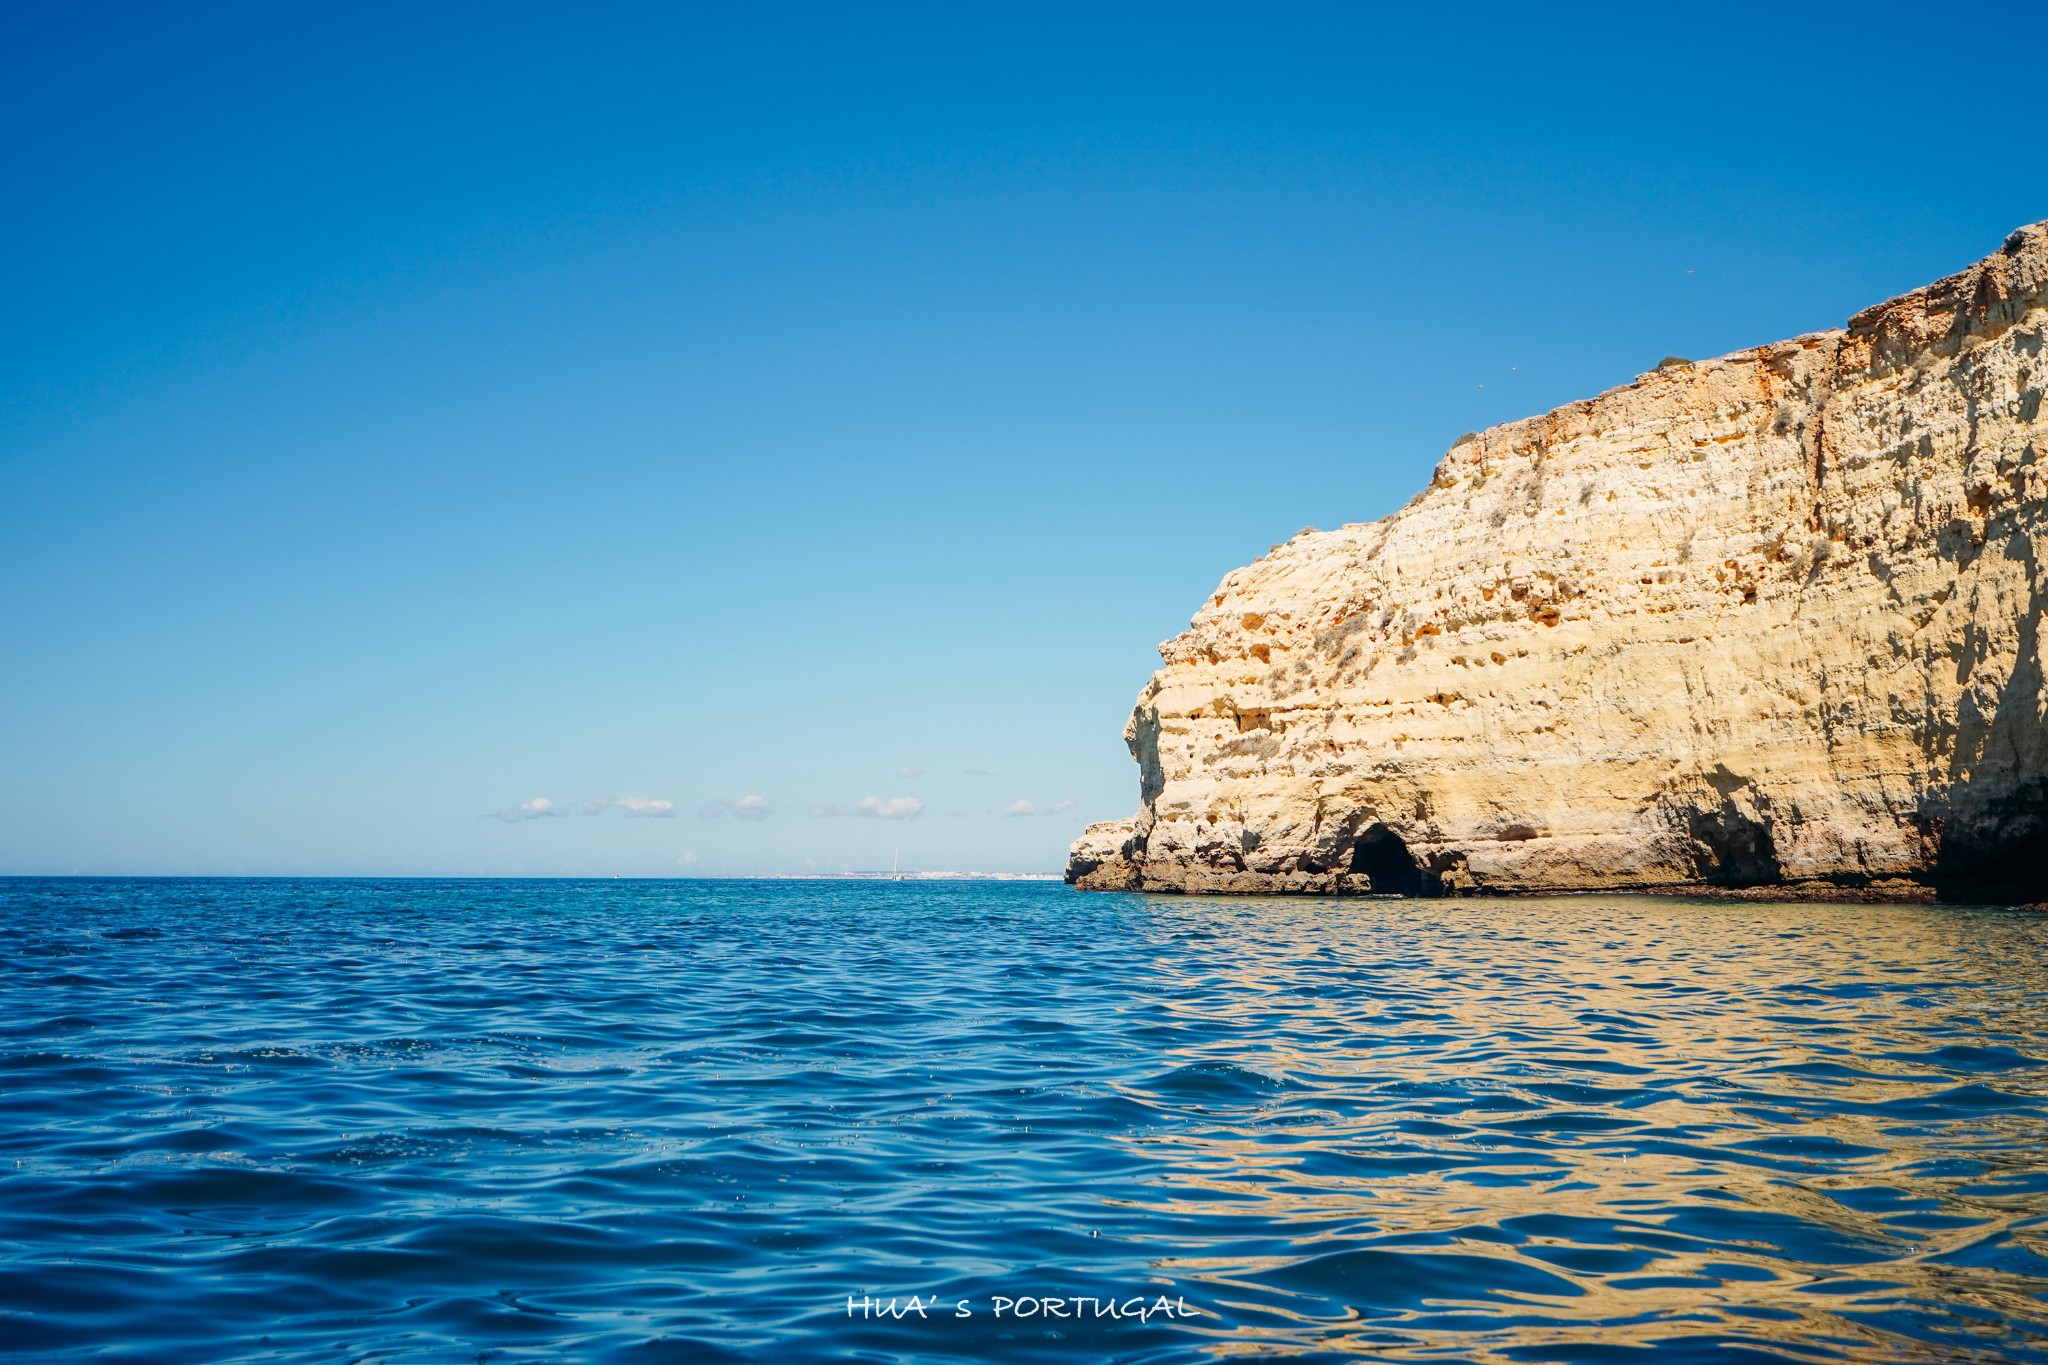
(407, 412)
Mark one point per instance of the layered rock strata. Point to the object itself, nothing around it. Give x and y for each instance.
(1771, 620)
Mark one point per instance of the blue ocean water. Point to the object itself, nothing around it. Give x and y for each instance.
(693, 1121)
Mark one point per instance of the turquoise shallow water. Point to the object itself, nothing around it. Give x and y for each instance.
(562, 1121)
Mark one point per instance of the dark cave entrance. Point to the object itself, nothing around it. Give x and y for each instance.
(1994, 847)
(1385, 860)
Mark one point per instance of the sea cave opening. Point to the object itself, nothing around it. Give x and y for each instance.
(1382, 856)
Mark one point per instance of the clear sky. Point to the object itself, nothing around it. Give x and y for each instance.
(776, 436)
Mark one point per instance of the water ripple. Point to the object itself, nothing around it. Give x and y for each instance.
(649, 1122)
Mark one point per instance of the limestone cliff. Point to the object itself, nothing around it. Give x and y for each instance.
(1768, 620)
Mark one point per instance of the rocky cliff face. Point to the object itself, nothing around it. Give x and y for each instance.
(1771, 620)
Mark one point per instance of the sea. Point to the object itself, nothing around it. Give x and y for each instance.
(707, 1121)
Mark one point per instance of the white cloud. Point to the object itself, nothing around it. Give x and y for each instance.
(1020, 807)
(875, 808)
(631, 805)
(907, 773)
(748, 807)
(540, 808)
(1064, 803)
(688, 860)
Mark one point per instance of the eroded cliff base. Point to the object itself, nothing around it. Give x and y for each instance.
(1110, 858)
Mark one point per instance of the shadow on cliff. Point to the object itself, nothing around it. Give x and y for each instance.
(1141, 737)
(1736, 849)
(1989, 829)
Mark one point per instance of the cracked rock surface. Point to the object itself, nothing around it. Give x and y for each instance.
(1767, 621)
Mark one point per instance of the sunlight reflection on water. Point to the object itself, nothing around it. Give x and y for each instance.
(424, 1121)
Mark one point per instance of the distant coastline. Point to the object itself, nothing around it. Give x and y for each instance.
(885, 875)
